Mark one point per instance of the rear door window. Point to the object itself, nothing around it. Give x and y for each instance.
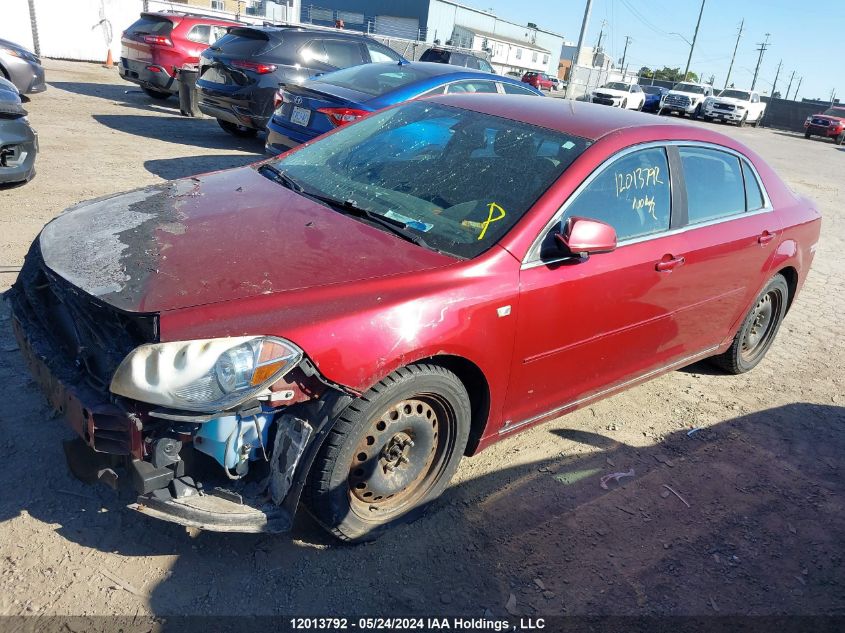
(632, 195)
(343, 54)
(381, 54)
(511, 89)
(715, 187)
(472, 85)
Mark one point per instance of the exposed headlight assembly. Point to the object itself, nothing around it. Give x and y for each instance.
(204, 375)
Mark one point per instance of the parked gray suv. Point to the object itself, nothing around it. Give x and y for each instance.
(241, 72)
(18, 141)
(22, 67)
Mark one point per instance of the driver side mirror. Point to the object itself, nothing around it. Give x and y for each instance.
(585, 237)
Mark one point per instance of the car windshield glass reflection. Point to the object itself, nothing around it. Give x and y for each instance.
(460, 179)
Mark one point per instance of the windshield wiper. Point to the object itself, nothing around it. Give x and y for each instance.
(349, 207)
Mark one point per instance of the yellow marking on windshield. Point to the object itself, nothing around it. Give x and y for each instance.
(494, 208)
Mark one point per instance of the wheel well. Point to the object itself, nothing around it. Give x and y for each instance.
(478, 390)
(791, 276)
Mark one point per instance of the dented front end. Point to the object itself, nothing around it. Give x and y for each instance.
(239, 470)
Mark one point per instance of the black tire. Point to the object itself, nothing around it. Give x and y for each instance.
(697, 112)
(806, 135)
(367, 476)
(240, 131)
(757, 121)
(839, 140)
(758, 329)
(156, 94)
(624, 104)
(741, 122)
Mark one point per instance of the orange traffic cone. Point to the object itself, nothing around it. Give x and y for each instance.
(109, 61)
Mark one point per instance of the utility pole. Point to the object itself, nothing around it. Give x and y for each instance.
(577, 55)
(736, 46)
(789, 87)
(777, 74)
(832, 97)
(762, 49)
(625, 52)
(695, 35)
(795, 96)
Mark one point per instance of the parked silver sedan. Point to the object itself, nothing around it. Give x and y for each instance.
(18, 141)
(22, 67)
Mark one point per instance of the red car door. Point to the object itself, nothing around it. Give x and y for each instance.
(585, 327)
(730, 239)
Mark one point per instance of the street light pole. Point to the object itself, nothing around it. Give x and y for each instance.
(694, 36)
(577, 56)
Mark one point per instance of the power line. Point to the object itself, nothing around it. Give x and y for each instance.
(763, 46)
(736, 46)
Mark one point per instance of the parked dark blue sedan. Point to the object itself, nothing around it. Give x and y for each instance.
(653, 95)
(326, 102)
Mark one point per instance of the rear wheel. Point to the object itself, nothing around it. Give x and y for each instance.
(237, 130)
(391, 452)
(156, 94)
(758, 329)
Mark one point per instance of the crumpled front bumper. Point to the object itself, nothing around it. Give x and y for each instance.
(118, 435)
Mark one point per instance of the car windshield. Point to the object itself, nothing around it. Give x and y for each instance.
(458, 179)
(652, 90)
(375, 79)
(736, 94)
(617, 85)
(699, 90)
(838, 112)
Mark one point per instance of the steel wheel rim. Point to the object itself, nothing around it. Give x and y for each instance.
(761, 326)
(400, 456)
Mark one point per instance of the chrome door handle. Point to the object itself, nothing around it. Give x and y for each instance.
(669, 263)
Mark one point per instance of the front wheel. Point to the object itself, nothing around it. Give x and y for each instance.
(237, 130)
(806, 135)
(839, 140)
(391, 452)
(624, 104)
(758, 329)
(741, 122)
(697, 112)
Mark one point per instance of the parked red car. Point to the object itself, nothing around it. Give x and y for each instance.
(830, 124)
(341, 324)
(541, 81)
(156, 44)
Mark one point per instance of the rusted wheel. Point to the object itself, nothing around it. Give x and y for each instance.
(391, 452)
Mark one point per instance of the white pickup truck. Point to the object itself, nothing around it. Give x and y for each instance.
(686, 98)
(738, 106)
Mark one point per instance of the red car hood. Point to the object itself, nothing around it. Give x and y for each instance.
(217, 237)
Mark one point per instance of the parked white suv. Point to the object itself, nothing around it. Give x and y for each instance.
(739, 106)
(619, 94)
(686, 98)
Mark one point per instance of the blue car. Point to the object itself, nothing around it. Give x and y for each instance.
(305, 111)
(653, 95)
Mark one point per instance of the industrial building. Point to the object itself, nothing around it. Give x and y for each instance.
(509, 46)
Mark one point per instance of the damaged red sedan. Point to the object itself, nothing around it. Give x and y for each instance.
(339, 325)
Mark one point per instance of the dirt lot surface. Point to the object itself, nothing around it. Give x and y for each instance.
(757, 525)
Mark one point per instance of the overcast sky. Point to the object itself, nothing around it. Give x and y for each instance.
(807, 36)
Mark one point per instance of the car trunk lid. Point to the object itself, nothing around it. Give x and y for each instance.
(236, 60)
(315, 106)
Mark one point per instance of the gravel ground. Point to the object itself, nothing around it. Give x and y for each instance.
(756, 527)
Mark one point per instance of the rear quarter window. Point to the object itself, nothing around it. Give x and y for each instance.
(511, 89)
(753, 194)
